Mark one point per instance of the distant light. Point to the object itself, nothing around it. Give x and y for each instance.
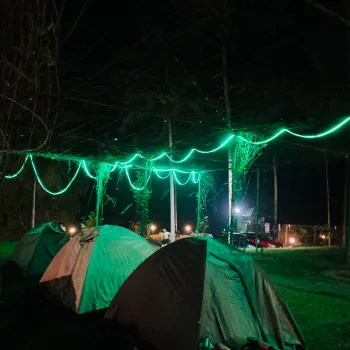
(153, 227)
(188, 228)
(292, 240)
(237, 210)
(72, 230)
(115, 139)
(323, 236)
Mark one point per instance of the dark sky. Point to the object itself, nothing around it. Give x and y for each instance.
(287, 63)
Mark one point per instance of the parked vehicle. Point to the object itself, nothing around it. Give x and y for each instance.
(264, 241)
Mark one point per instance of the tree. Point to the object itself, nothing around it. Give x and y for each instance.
(28, 74)
(205, 195)
(142, 193)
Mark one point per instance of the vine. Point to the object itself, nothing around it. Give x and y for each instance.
(205, 195)
(142, 199)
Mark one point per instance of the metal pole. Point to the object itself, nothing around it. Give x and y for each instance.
(172, 188)
(198, 205)
(347, 243)
(275, 192)
(34, 203)
(345, 202)
(328, 207)
(257, 208)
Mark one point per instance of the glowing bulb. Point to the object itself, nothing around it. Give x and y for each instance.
(292, 240)
(153, 227)
(188, 228)
(237, 210)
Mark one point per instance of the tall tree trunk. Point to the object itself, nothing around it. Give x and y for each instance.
(231, 147)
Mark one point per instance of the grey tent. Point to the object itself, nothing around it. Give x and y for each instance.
(89, 270)
(201, 288)
(38, 247)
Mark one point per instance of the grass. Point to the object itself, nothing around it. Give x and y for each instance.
(318, 300)
(6, 248)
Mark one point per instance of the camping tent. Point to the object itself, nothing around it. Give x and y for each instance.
(90, 268)
(199, 287)
(38, 247)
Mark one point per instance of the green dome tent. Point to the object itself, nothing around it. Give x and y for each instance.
(201, 288)
(90, 268)
(37, 248)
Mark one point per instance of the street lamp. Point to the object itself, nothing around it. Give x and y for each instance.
(188, 228)
(153, 227)
(237, 210)
(72, 230)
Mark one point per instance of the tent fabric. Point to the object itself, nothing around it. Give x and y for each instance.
(201, 288)
(90, 268)
(37, 248)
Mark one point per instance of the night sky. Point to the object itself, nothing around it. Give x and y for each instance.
(287, 66)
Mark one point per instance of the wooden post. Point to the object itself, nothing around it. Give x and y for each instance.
(314, 235)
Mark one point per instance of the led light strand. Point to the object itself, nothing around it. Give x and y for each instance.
(44, 187)
(182, 183)
(12, 176)
(132, 185)
(156, 171)
(87, 171)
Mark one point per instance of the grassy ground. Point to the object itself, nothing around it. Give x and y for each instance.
(319, 301)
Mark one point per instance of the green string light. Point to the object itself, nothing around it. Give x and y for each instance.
(230, 137)
(192, 175)
(44, 187)
(87, 171)
(19, 171)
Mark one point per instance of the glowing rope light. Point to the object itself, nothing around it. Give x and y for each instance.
(132, 185)
(229, 138)
(309, 137)
(87, 171)
(43, 186)
(182, 183)
(156, 171)
(19, 171)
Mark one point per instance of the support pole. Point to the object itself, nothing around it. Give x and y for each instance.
(99, 193)
(33, 203)
(328, 207)
(198, 204)
(257, 208)
(345, 201)
(172, 187)
(275, 197)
